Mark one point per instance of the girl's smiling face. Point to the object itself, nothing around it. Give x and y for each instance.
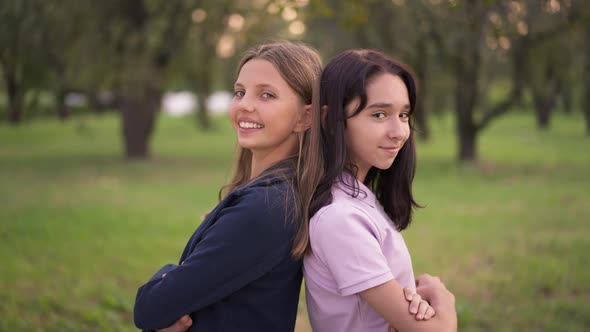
(376, 134)
(265, 111)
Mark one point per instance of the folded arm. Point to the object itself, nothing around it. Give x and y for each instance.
(245, 242)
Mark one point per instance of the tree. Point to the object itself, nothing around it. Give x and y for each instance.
(550, 61)
(210, 23)
(545, 82)
(499, 23)
(39, 52)
(587, 79)
(144, 36)
(20, 38)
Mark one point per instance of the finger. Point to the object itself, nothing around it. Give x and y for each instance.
(415, 304)
(429, 313)
(181, 325)
(422, 277)
(409, 293)
(422, 310)
(186, 320)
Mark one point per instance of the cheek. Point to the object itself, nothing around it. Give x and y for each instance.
(232, 111)
(356, 144)
(407, 132)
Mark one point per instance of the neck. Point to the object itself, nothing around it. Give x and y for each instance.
(361, 175)
(361, 172)
(261, 161)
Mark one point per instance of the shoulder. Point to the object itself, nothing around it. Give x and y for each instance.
(343, 208)
(344, 217)
(268, 194)
(260, 207)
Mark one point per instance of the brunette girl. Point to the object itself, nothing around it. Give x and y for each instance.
(358, 263)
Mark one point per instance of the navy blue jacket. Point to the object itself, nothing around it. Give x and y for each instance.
(236, 272)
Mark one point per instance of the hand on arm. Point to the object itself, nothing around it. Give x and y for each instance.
(183, 324)
(433, 290)
(389, 301)
(419, 307)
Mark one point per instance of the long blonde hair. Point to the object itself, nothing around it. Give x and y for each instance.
(300, 66)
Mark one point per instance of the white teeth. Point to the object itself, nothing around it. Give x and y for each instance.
(250, 125)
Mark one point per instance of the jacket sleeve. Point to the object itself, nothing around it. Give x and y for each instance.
(164, 269)
(248, 239)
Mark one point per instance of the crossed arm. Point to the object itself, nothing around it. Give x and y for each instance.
(388, 300)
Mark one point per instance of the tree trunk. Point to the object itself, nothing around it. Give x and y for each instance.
(32, 106)
(203, 111)
(421, 67)
(423, 129)
(61, 91)
(545, 95)
(139, 107)
(467, 145)
(543, 108)
(587, 82)
(467, 132)
(565, 94)
(16, 97)
(63, 111)
(204, 79)
(467, 70)
(465, 100)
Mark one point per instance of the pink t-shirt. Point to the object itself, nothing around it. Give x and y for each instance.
(354, 247)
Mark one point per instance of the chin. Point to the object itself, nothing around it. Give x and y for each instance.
(246, 145)
(384, 166)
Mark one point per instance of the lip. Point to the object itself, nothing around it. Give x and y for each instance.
(390, 149)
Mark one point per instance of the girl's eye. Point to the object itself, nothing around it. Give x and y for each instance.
(379, 115)
(404, 115)
(239, 93)
(267, 95)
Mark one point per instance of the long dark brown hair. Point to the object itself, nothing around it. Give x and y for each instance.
(300, 66)
(345, 78)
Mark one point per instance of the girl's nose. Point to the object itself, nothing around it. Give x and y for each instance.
(398, 129)
(246, 104)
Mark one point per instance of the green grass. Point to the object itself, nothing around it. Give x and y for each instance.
(81, 229)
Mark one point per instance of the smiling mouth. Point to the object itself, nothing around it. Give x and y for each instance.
(249, 125)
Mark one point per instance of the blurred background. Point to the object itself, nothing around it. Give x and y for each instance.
(114, 142)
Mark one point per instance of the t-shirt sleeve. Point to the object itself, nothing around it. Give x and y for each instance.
(249, 238)
(347, 241)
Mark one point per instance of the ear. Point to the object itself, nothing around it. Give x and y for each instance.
(304, 122)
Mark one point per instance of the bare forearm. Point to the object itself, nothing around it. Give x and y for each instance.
(388, 300)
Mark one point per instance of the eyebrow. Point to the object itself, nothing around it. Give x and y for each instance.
(386, 105)
(260, 86)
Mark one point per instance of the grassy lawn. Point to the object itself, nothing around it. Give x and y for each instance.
(81, 229)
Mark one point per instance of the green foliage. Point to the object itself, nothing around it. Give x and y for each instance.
(81, 229)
